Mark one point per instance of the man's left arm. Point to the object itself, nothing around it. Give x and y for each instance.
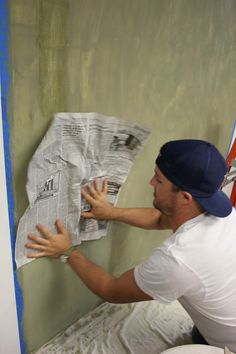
(121, 289)
(116, 290)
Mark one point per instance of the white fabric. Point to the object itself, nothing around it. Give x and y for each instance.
(197, 266)
(194, 349)
(136, 328)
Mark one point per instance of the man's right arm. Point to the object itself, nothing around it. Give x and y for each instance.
(146, 218)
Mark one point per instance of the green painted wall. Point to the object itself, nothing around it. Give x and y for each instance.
(167, 64)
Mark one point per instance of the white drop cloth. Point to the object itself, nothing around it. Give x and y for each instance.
(137, 328)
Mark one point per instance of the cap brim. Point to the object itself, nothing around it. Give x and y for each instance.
(218, 204)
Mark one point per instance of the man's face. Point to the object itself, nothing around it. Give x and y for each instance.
(165, 198)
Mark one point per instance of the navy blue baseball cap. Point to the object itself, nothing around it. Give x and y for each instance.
(197, 167)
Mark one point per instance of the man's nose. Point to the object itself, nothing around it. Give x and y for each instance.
(152, 181)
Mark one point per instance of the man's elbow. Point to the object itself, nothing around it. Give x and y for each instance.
(111, 294)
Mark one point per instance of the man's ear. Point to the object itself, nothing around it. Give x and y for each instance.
(187, 197)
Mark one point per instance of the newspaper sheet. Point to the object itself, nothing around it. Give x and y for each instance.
(77, 148)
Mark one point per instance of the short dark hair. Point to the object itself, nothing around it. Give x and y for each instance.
(175, 188)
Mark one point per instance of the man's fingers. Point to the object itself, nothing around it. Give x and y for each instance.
(44, 231)
(60, 227)
(93, 191)
(38, 239)
(87, 215)
(35, 246)
(36, 255)
(98, 188)
(104, 185)
(96, 185)
(86, 196)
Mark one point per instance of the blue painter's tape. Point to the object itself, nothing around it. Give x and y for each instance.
(5, 78)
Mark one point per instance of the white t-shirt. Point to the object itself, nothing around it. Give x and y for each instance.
(197, 266)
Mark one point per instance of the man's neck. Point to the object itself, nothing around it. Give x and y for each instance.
(183, 216)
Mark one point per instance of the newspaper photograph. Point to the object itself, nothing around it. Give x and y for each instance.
(77, 148)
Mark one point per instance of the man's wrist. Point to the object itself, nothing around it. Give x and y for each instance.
(112, 214)
(64, 257)
(116, 214)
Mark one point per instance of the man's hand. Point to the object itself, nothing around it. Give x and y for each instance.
(97, 198)
(50, 245)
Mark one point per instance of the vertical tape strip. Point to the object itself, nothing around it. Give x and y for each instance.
(5, 78)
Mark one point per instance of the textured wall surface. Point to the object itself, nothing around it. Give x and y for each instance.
(169, 65)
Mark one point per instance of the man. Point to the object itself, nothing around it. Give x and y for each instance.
(196, 265)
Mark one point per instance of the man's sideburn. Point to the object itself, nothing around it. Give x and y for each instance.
(170, 208)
